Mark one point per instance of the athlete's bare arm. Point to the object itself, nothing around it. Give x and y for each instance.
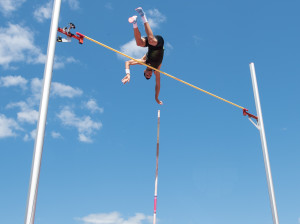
(157, 85)
(132, 62)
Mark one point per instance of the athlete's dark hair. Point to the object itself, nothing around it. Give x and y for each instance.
(145, 76)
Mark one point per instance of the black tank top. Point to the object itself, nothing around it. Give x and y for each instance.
(155, 54)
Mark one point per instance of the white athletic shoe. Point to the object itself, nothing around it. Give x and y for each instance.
(140, 11)
(132, 19)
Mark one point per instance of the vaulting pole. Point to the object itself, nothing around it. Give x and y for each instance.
(39, 140)
(264, 145)
(156, 172)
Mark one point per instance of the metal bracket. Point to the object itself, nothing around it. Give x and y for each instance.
(256, 125)
(66, 31)
(245, 113)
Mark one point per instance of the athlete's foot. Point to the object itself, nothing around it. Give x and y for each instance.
(132, 19)
(140, 11)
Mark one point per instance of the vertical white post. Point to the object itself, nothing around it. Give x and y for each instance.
(264, 145)
(156, 172)
(39, 140)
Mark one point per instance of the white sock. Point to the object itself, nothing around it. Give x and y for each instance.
(144, 18)
(135, 25)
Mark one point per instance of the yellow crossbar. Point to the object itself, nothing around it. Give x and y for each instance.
(220, 98)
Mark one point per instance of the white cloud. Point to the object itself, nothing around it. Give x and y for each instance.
(115, 218)
(74, 4)
(8, 6)
(8, 126)
(84, 125)
(60, 62)
(57, 89)
(93, 106)
(17, 45)
(168, 48)
(84, 138)
(155, 18)
(43, 12)
(27, 113)
(29, 116)
(8, 81)
(132, 50)
(55, 134)
(30, 136)
(36, 88)
(63, 90)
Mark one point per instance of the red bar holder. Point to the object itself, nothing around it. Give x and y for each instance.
(245, 113)
(79, 36)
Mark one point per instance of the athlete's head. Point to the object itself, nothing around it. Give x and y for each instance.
(148, 73)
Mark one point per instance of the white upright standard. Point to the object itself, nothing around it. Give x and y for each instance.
(260, 126)
(39, 140)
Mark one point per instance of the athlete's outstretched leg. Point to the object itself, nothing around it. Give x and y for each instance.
(151, 39)
(137, 34)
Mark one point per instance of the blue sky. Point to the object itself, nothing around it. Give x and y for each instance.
(98, 163)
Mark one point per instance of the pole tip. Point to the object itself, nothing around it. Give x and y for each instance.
(158, 113)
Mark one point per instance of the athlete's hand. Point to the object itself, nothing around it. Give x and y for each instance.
(158, 101)
(126, 79)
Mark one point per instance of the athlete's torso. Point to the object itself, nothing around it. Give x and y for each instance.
(155, 54)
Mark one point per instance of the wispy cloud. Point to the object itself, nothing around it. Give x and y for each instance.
(131, 49)
(27, 113)
(9, 6)
(27, 110)
(8, 127)
(17, 45)
(55, 134)
(62, 90)
(84, 125)
(155, 18)
(93, 106)
(57, 89)
(115, 218)
(60, 62)
(30, 136)
(43, 12)
(8, 81)
(74, 4)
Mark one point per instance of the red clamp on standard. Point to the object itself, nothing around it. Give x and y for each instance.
(66, 31)
(245, 113)
(81, 37)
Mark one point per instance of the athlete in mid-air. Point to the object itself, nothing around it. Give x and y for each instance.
(153, 57)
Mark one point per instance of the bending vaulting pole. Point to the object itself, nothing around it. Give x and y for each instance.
(39, 140)
(156, 172)
(264, 145)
